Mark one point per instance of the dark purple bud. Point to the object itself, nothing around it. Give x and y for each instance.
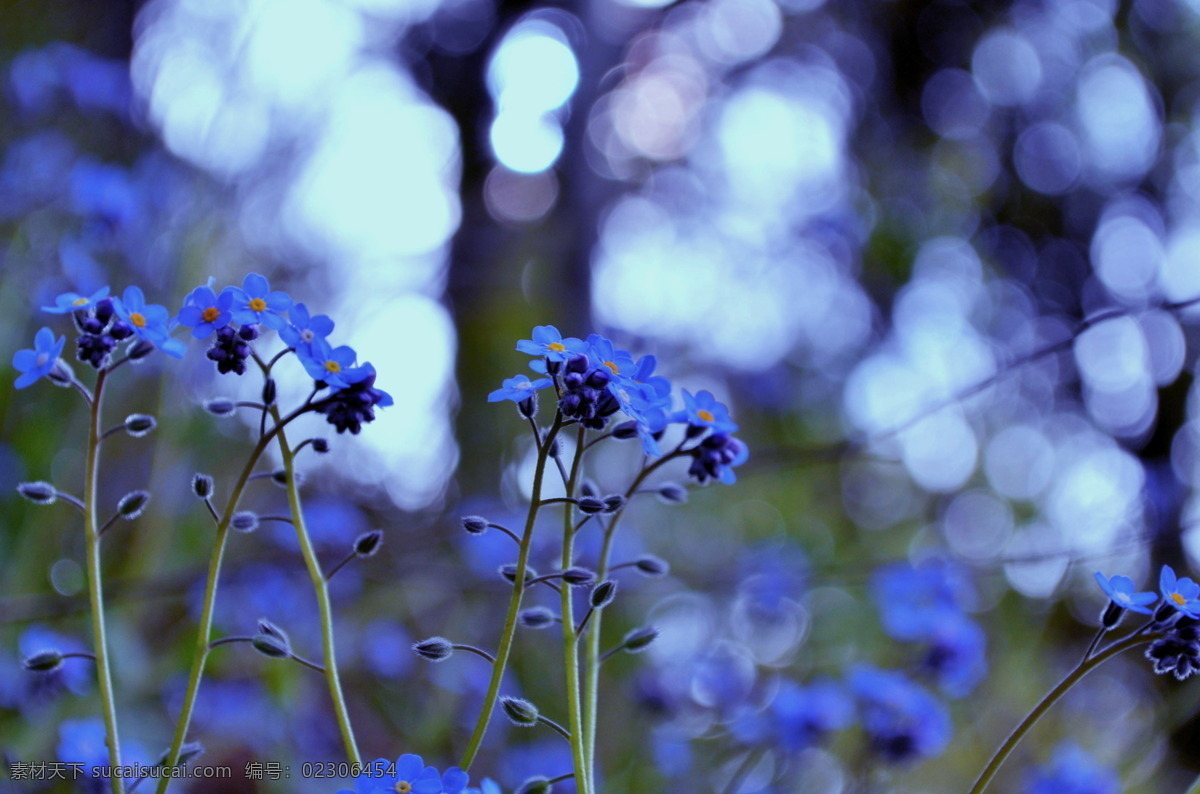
(132, 504)
(672, 493)
(434, 649)
(248, 332)
(368, 543)
(140, 350)
(202, 485)
(577, 363)
(639, 639)
(649, 565)
(603, 594)
(138, 425)
(521, 712)
(578, 577)
(245, 521)
(613, 502)
(537, 618)
(40, 493)
(625, 430)
(590, 505)
(220, 406)
(43, 661)
(268, 392)
(476, 525)
(320, 445)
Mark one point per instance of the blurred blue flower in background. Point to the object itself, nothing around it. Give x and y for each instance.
(904, 723)
(1072, 771)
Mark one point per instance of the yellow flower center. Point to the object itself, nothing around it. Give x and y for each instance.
(611, 366)
(137, 319)
(258, 304)
(1178, 599)
(403, 787)
(79, 301)
(557, 347)
(333, 366)
(210, 314)
(705, 415)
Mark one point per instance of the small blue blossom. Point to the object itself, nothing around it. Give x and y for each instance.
(148, 320)
(488, 786)
(82, 742)
(72, 301)
(518, 388)
(642, 403)
(255, 302)
(913, 601)
(454, 781)
(801, 716)
(601, 352)
(326, 363)
(409, 774)
(205, 312)
(1120, 591)
(1072, 771)
(37, 363)
(549, 343)
(1180, 593)
(703, 410)
(305, 330)
(904, 722)
(956, 656)
(643, 373)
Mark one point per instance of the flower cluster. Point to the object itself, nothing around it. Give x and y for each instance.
(1176, 620)
(409, 773)
(925, 605)
(595, 381)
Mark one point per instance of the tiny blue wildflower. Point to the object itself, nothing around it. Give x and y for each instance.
(956, 656)
(703, 410)
(304, 330)
(548, 342)
(1180, 593)
(204, 311)
(408, 774)
(37, 363)
(646, 407)
(72, 301)
(518, 388)
(904, 722)
(454, 781)
(255, 302)
(326, 363)
(601, 352)
(148, 320)
(488, 786)
(801, 716)
(1072, 771)
(913, 601)
(1120, 591)
(643, 373)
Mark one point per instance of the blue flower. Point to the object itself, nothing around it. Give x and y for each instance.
(601, 352)
(254, 302)
(37, 363)
(914, 602)
(548, 342)
(82, 742)
(903, 721)
(305, 330)
(454, 780)
(957, 656)
(148, 320)
(1119, 590)
(1180, 593)
(408, 774)
(644, 404)
(1072, 771)
(801, 716)
(204, 311)
(326, 363)
(517, 388)
(703, 410)
(488, 786)
(72, 301)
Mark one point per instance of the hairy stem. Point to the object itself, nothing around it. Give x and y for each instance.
(514, 601)
(95, 589)
(583, 772)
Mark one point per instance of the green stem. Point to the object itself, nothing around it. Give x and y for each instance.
(514, 601)
(1081, 669)
(204, 634)
(95, 589)
(592, 657)
(583, 772)
(321, 588)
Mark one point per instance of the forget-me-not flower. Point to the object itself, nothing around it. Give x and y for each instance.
(37, 363)
(255, 302)
(71, 301)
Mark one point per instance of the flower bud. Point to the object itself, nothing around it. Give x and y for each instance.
(40, 493)
(268, 392)
(639, 639)
(44, 661)
(190, 751)
(555, 447)
(476, 525)
(202, 485)
(320, 445)
(132, 504)
(140, 349)
(220, 406)
(248, 332)
(588, 487)
(434, 649)
(244, 521)
(536, 618)
(267, 627)
(280, 477)
(649, 565)
(509, 572)
(521, 712)
(535, 785)
(271, 640)
(672, 493)
(578, 577)
(590, 505)
(603, 594)
(625, 430)
(613, 502)
(138, 425)
(368, 543)
(61, 374)
(529, 406)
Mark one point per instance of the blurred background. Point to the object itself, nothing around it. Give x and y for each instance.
(882, 232)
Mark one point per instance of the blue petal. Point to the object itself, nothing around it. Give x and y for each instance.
(256, 286)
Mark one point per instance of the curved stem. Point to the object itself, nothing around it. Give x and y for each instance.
(321, 588)
(583, 772)
(95, 590)
(1081, 669)
(514, 602)
(204, 632)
